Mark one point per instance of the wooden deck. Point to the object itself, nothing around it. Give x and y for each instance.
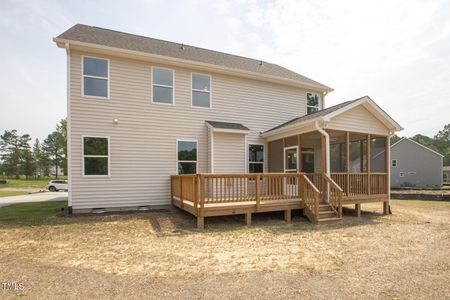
(321, 197)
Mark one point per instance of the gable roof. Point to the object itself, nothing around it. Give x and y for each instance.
(91, 35)
(330, 112)
(227, 125)
(416, 143)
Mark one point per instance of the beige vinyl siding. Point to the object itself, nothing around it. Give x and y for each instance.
(143, 143)
(358, 119)
(229, 153)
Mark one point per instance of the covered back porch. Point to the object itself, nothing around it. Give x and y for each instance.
(317, 162)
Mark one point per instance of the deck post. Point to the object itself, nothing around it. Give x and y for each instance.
(200, 222)
(347, 161)
(299, 153)
(197, 193)
(368, 166)
(388, 171)
(358, 210)
(248, 218)
(287, 216)
(181, 192)
(257, 192)
(385, 207)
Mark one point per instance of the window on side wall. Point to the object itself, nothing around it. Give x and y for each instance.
(187, 157)
(255, 158)
(201, 90)
(394, 163)
(312, 103)
(162, 85)
(95, 156)
(401, 174)
(95, 77)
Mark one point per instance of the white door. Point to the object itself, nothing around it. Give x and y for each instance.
(290, 159)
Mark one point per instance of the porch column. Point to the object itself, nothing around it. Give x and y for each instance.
(299, 153)
(347, 160)
(368, 165)
(387, 204)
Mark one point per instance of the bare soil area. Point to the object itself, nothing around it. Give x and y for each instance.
(160, 255)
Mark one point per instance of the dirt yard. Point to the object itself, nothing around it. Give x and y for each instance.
(160, 255)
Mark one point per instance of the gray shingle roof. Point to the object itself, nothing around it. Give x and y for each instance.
(317, 114)
(227, 125)
(116, 39)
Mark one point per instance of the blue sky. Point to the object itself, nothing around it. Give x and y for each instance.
(397, 52)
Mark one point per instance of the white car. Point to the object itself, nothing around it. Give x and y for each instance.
(56, 185)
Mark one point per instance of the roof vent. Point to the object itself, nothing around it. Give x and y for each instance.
(182, 46)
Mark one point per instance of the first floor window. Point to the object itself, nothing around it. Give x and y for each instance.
(187, 157)
(95, 155)
(312, 103)
(401, 174)
(162, 85)
(255, 158)
(95, 77)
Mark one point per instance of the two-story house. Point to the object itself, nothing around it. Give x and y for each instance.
(152, 122)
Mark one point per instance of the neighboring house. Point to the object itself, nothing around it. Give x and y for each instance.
(413, 164)
(141, 110)
(446, 175)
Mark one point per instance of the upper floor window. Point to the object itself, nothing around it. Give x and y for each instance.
(201, 90)
(394, 163)
(255, 158)
(187, 157)
(312, 103)
(95, 156)
(95, 77)
(162, 85)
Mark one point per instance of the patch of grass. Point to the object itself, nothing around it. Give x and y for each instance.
(422, 203)
(8, 194)
(23, 183)
(35, 212)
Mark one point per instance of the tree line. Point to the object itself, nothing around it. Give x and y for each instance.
(19, 158)
(439, 143)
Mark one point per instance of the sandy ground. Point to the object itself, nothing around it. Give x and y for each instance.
(160, 255)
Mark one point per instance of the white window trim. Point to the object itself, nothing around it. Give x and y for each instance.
(163, 85)
(188, 161)
(256, 162)
(95, 77)
(318, 103)
(284, 158)
(394, 162)
(108, 156)
(197, 90)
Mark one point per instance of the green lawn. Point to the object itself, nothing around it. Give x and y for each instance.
(25, 184)
(37, 212)
(8, 194)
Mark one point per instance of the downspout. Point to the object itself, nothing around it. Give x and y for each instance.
(69, 136)
(388, 158)
(327, 146)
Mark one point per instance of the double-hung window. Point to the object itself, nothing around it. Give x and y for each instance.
(95, 77)
(187, 157)
(201, 90)
(312, 103)
(162, 85)
(255, 158)
(95, 156)
(394, 163)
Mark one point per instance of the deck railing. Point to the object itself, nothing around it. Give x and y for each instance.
(204, 189)
(354, 184)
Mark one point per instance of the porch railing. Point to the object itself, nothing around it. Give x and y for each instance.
(204, 189)
(354, 184)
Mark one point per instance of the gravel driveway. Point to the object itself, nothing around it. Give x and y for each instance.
(38, 197)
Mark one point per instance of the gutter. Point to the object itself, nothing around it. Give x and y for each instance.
(327, 145)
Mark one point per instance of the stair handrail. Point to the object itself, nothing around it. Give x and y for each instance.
(311, 196)
(334, 195)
